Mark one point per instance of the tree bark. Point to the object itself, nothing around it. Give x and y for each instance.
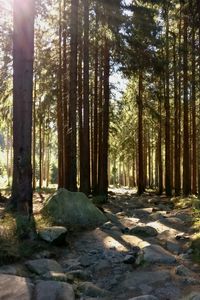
(140, 137)
(85, 165)
(72, 168)
(167, 118)
(186, 150)
(23, 49)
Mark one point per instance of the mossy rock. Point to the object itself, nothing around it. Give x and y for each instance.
(73, 210)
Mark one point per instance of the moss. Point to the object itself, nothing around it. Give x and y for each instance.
(18, 239)
(195, 245)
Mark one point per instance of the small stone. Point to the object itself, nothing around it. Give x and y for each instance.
(157, 254)
(164, 207)
(87, 260)
(146, 289)
(134, 279)
(43, 266)
(190, 281)
(115, 228)
(175, 220)
(145, 297)
(173, 247)
(193, 296)
(54, 234)
(182, 236)
(80, 274)
(182, 271)
(55, 276)
(129, 259)
(146, 231)
(89, 289)
(157, 216)
(43, 254)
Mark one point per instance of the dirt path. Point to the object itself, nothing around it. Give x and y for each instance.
(143, 249)
(108, 254)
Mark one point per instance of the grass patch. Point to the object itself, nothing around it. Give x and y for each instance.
(196, 247)
(15, 241)
(185, 202)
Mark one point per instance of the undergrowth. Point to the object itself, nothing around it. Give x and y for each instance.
(16, 242)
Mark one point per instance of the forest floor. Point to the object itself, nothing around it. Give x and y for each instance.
(145, 248)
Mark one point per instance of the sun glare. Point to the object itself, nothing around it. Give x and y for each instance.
(6, 4)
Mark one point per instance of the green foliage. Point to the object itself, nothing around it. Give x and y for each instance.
(196, 247)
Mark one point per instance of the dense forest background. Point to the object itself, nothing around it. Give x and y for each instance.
(86, 136)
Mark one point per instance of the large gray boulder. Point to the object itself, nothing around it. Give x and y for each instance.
(73, 210)
(15, 288)
(53, 290)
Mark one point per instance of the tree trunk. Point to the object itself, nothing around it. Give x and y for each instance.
(194, 172)
(140, 137)
(167, 118)
(85, 165)
(160, 162)
(72, 169)
(103, 179)
(60, 107)
(176, 125)
(186, 150)
(23, 48)
(95, 106)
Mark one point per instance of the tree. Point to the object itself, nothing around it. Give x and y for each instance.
(72, 148)
(23, 48)
(85, 147)
(186, 147)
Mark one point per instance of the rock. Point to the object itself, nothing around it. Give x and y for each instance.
(135, 279)
(157, 254)
(135, 256)
(185, 256)
(80, 274)
(87, 260)
(190, 281)
(181, 270)
(129, 259)
(55, 234)
(91, 290)
(53, 290)
(107, 226)
(15, 288)
(164, 207)
(144, 297)
(112, 218)
(146, 289)
(74, 210)
(71, 264)
(51, 275)
(182, 236)
(43, 254)
(43, 266)
(173, 247)
(157, 216)
(175, 220)
(144, 231)
(192, 296)
(170, 291)
(8, 270)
